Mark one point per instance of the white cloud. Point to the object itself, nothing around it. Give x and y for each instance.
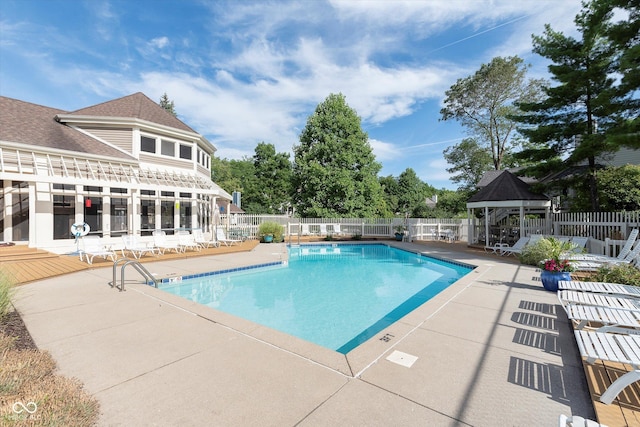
(383, 150)
(159, 42)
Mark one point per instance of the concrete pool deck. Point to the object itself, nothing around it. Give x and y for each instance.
(492, 349)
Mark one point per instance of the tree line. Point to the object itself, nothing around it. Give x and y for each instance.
(556, 131)
(559, 131)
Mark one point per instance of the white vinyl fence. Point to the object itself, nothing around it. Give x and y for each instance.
(246, 226)
(607, 230)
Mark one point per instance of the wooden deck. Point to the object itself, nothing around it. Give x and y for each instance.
(22, 264)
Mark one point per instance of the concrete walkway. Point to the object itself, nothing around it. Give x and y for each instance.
(492, 349)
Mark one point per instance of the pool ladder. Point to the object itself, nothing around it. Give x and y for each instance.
(127, 261)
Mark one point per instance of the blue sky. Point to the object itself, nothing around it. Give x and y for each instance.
(242, 72)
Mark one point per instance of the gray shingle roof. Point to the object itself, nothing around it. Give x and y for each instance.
(32, 124)
(506, 186)
(137, 106)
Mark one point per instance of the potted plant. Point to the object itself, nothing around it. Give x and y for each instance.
(556, 266)
(270, 232)
(400, 231)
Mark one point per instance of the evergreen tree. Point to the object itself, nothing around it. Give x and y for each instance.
(625, 36)
(168, 105)
(573, 120)
(335, 171)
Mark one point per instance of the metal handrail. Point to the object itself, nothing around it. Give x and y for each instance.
(139, 268)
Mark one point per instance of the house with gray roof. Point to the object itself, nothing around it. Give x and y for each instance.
(125, 166)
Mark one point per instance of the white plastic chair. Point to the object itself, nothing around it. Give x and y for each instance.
(204, 239)
(163, 244)
(137, 249)
(222, 238)
(186, 241)
(92, 247)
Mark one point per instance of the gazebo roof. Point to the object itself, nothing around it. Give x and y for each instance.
(507, 190)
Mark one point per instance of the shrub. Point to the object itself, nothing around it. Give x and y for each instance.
(546, 249)
(273, 228)
(625, 274)
(535, 253)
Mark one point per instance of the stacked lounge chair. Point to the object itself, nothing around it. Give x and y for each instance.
(615, 308)
(628, 254)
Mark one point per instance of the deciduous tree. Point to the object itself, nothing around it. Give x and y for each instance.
(485, 101)
(335, 171)
(273, 173)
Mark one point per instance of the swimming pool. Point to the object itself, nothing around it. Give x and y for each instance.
(337, 296)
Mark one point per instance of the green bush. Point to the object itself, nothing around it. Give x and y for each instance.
(272, 228)
(543, 249)
(625, 274)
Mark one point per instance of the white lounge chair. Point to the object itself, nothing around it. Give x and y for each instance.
(576, 421)
(598, 316)
(323, 230)
(163, 244)
(633, 257)
(336, 230)
(204, 239)
(136, 248)
(516, 248)
(92, 246)
(600, 287)
(603, 300)
(186, 241)
(621, 256)
(608, 347)
(222, 238)
(305, 230)
(579, 244)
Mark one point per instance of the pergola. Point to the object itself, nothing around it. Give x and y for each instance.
(508, 193)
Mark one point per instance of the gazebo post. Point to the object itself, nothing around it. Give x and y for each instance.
(521, 234)
(486, 226)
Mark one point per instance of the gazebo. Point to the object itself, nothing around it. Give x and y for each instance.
(505, 195)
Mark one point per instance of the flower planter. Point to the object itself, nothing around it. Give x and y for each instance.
(399, 236)
(268, 238)
(550, 279)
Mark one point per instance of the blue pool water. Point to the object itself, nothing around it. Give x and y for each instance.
(337, 296)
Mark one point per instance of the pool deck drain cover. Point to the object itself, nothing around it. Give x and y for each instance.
(401, 358)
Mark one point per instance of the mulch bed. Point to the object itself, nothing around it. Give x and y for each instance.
(12, 325)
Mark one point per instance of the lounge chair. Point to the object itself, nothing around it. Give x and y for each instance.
(336, 230)
(601, 287)
(186, 241)
(137, 249)
(204, 239)
(305, 230)
(92, 247)
(579, 244)
(323, 230)
(633, 257)
(576, 421)
(620, 257)
(516, 248)
(603, 300)
(222, 238)
(163, 244)
(598, 316)
(608, 347)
